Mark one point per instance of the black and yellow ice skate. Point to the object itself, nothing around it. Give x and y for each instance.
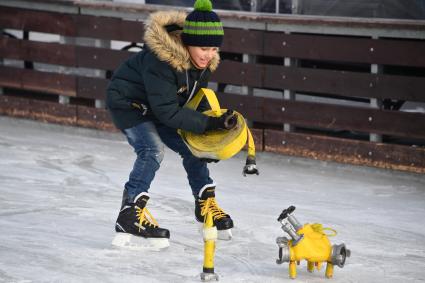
(137, 229)
(207, 203)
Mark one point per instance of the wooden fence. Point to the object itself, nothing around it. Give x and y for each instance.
(325, 88)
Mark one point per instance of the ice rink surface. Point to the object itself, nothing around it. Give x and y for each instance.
(61, 190)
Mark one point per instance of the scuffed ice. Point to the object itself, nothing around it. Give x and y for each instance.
(61, 190)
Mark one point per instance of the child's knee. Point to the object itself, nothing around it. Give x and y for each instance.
(155, 153)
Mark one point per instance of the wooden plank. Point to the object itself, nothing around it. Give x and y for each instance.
(344, 83)
(31, 20)
(94, 88)
(339, 117)
(49, 82)
(45, 82)
(243, 41)
(71, 24)
(397, 52)
(89, 117)
(381, 155)
(42, 52)
(62, 54)
(251, 107)
(398, 87)
(345, 49)
(38, 110)
(10, 48)
(109, 28)
(10, 77)
(239, 73)
(100, 58)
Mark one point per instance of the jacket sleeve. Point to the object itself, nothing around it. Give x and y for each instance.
(161, 89)
(115, 100)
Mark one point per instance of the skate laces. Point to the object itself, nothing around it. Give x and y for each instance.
(145, 218)
(210, 205)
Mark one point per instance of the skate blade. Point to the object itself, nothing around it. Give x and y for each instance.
(209, 277)
(131, 242)
(223, 235)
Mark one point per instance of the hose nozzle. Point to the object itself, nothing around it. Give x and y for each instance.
(339, 254)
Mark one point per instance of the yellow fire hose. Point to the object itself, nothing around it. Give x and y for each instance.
(220, 144)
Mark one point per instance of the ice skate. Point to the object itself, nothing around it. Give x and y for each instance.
(206, 202)
(137, 229)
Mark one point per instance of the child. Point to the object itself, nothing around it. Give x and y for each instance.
(146, 98)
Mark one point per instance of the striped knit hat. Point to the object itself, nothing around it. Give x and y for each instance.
(202, 26)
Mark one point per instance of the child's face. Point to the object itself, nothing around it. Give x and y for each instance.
(201, 56)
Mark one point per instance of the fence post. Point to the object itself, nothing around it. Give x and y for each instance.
(63, 99)
(375, 102)
(246, 58)
(98, 103)
(295, 6)
(288, 94)
(254, 5)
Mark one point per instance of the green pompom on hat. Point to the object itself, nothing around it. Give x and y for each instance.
(202, 26)
(203, 5)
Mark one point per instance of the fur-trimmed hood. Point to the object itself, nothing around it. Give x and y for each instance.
(168, 47)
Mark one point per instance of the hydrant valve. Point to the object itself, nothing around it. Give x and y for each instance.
(308, 242)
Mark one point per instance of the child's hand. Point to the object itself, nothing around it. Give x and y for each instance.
(226, 121)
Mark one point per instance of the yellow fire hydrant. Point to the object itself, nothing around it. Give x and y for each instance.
(308, 242)
(210, 237)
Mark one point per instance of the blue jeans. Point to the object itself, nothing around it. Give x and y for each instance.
(148, 139)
